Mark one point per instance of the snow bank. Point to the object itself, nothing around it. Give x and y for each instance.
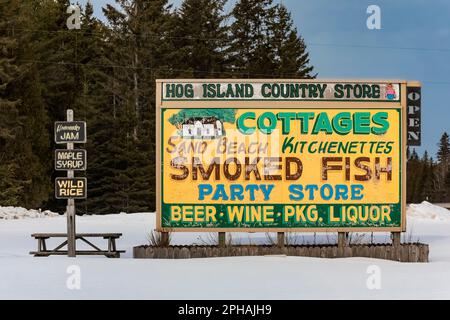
(10, 213)
(426, 210)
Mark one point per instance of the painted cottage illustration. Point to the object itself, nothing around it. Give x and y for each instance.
(209, 128)
(202, 123)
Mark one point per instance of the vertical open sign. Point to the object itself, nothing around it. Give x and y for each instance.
(413, 98)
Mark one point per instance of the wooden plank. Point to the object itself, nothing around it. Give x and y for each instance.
(423, 253)
(88, 235)
(356, 251)
(165, 239)
(164, 252)
(403, 253)
(347, 252)
(342, 239)
(280, 239)
(334, 251)
(413, 253)
(396, 238)
(79, 252)
(136, 251)
(222, 239)
(185, 254)
(149, 252)
(94, 246)
(342, 242)
(324, 252)
(60, 246)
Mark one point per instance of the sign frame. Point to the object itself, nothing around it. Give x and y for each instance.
(83, 151)
(285, 104)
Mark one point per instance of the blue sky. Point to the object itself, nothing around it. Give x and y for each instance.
(413, 44)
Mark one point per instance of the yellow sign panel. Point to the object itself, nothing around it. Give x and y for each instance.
(243, 165)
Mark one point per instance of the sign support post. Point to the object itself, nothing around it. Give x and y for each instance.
(71, 246)
(342, 239)
(222, 239)
(396, 236)
(165, 239)
(70, 132)
(280, 239)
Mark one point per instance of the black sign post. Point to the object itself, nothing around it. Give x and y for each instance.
(413, 98)
(70, 188)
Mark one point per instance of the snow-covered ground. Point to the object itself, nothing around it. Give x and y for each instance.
(13, 213)
(272, 277)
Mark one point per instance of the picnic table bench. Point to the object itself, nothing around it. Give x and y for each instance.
(112, 251)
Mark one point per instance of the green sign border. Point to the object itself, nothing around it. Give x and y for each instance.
(398, 205)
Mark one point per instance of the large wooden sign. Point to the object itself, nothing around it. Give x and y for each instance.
(284, 155)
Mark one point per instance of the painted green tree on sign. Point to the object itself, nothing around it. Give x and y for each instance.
(224, 115)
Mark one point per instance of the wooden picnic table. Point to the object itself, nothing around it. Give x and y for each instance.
(111, 252)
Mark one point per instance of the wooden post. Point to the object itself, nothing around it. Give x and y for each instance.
(342, 243)
(165, 239)
(342, 239)
(395, 236)
(222, 239)
(71, 232)
(280, 239)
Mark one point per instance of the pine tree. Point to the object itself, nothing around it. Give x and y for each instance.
(200, 37)
(250, 54)
(57, 56)
(447, 188)
(106, 74)
(433, 184)
(289, 49)
(97, 107)
(427, 186)
(139, 39)
(265, 43)
(10, 186)
(424, 177)
(443, 154)
(24, 140)
(413, 168)
(443, 168)
(52, 49)
(33, 152)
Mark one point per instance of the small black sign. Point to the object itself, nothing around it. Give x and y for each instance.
(70, 132)
(70, 188)
(70, 160)
(413, 99)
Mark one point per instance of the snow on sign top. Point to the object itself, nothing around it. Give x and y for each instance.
(271, 90)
